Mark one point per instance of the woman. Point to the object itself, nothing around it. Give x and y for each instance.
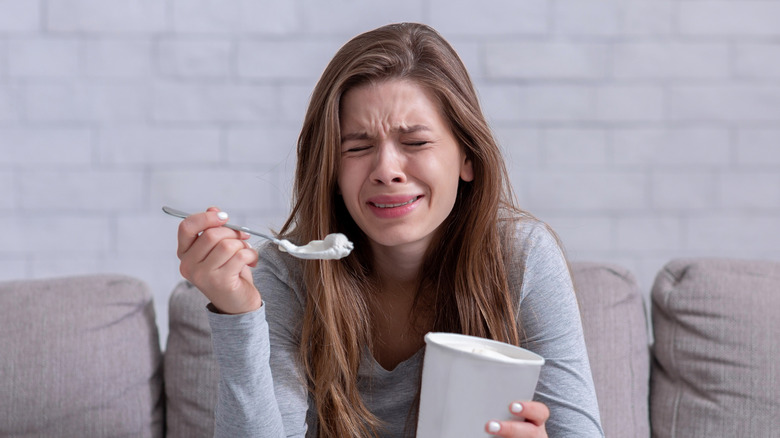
(396, 154)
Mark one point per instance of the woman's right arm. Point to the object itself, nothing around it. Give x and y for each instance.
(217, 261)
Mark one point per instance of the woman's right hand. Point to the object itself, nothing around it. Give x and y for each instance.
(218, 261)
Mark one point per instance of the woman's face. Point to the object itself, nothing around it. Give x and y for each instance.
(400, 163)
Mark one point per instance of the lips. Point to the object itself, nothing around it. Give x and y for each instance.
(390, 207)
(390, 204)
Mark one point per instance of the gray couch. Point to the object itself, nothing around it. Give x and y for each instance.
(79, 357)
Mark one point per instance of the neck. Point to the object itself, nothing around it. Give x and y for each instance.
(397, 267)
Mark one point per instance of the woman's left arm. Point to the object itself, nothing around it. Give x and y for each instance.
(550, 323)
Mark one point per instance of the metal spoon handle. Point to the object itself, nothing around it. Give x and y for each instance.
(180, 214)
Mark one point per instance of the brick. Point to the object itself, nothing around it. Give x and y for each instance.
(149, 233)
(195, 57)
(758, 147)
(284, 59)
(573, 191)
(646, 234)
(294, 102)
(43, 57)
(757, 61)
(158, 145)
(213, 102)
(81, 190)
(7, 193)
(55, 234)
(724, 234)
(684, 191)
(672, 147)
(235, 190)
(729, 18)
(14, 267)
(86, 102)
(125, 16)
(20, 15)
(10, 102)
(647, 18)
(117, 58)
(583, 233)
(670, 60)
(573, 147)
(266, 17)
(502, 17)
(545, 60)
(349, 18)
(64, 265)
(750, 191)
(587, 17)
(629, 103)
(51, 146)
(521, 146)
(268, 146)
(536, 103)
(731, 102)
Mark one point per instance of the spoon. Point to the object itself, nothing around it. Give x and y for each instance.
(335, 246)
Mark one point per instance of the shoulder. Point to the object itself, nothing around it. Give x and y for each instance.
(529, 240)
(533, 255)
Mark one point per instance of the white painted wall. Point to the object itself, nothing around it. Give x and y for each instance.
(642, 130)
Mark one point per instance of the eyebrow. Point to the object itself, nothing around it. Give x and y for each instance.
(362, 135)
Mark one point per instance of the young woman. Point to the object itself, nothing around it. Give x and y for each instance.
(396, 154)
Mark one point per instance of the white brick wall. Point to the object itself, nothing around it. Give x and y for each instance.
(642, 130)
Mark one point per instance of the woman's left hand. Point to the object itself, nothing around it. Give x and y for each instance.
(531, 417)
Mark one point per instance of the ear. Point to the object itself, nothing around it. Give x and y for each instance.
(466, 169)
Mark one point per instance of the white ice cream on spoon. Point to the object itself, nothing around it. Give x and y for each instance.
(333, 247)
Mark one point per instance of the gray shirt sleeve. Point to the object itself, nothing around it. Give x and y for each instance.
(261, 389)
(550, 320)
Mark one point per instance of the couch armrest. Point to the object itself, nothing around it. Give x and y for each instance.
(615, 327)
(716, 368)
(79, 356)
(191, 370)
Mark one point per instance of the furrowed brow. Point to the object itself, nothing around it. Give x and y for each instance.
(354, 136)
(413, 129)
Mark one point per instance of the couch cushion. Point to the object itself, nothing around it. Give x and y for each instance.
(79, 356)
(717, 347)
(191, 372)
(615, 327)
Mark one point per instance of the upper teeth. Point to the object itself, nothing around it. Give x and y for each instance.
(396, 205)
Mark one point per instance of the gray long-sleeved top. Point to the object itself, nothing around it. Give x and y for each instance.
(261, 387)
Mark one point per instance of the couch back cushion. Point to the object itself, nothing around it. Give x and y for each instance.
(79, 356)
(717, 348)
(191, 372)
(615, 325)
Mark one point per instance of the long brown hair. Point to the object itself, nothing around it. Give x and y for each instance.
(464, 279)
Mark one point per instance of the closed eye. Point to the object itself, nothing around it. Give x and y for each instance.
(417, 143)
(358, 148)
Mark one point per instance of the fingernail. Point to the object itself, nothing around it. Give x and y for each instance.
(494, 427)
(223, 216)
(516, 408)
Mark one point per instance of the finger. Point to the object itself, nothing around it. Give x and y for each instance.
(531, 411)
(193, 225)
(222, 253)
(242, 258)
(511, 429)
(205, 243)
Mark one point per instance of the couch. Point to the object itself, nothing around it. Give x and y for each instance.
(80, 357)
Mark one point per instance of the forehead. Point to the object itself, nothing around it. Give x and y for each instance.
(393, 104)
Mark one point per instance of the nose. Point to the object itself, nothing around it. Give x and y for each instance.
(388, 165)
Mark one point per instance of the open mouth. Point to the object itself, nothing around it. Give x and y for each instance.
(395, 205)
